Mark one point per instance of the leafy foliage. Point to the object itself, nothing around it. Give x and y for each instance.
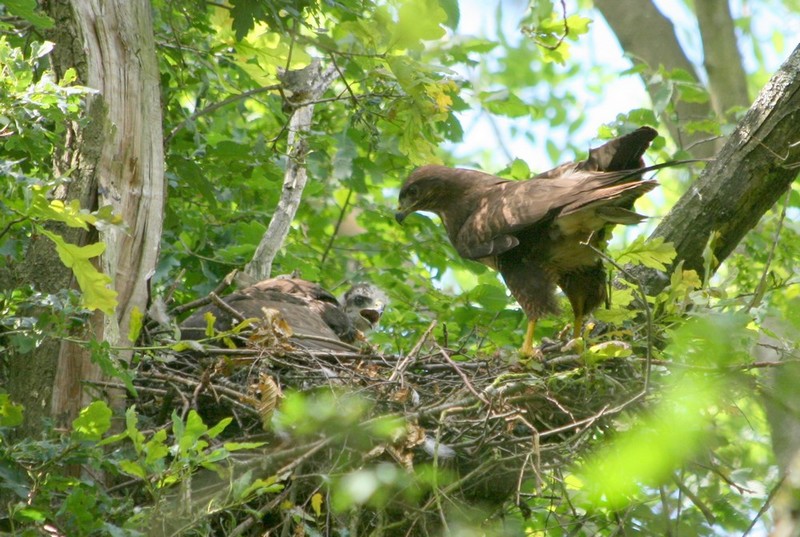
(410, 88)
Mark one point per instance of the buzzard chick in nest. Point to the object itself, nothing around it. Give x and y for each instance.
(318, 321)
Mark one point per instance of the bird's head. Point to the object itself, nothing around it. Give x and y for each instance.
(422, 191)
(364, 304)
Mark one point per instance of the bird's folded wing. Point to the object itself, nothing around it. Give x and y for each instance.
(516, 205)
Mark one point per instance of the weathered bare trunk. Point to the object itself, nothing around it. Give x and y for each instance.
(116, 159)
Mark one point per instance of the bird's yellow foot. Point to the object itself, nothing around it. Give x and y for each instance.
(531, 353)
(528, 351)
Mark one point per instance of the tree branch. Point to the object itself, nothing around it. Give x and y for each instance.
(753, 170)
(302, 88)
(726, 77)
(644, 33)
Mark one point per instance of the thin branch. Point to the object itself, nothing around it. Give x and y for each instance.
(216, 106)
(647, 312)
(564, 34)
(700, 504)
(306, 85)
(765, 507)
(10, 224)
(338, 225)
(762, 284)
(226, 281)
(412, 354)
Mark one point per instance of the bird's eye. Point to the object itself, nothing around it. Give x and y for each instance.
(411, 192)
(360, 301)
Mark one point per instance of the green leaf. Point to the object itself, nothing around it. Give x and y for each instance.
(30, 514)
(262, 486)
(418, 21)
(156, 448)
(187, 345)
(578, 25)
(491, 297)
(607, 350)
(453, 14)
(135, 328)
(244, 14)
(69, 213)
(654, 253)
(10, 413)
(29, 10)
(219, 427)
(133, 468)
(188, 435)
(210, 319)
(520, 169)
(711, 126)
(238, 446)
(93, 283)
(131, 422)
(504, 103)
(693, 93)
(93, 422)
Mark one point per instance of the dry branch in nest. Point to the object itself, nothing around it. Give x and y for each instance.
(479, 431)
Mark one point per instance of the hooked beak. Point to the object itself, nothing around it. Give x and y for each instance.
(372, 315)
(400, 215)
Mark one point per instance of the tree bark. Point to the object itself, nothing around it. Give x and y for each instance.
(751, 173)
(727, 80)
(115, 158)
(647, 35)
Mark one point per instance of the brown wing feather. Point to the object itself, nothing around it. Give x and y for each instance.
(516, 205)
(535, 232)
(623, 153)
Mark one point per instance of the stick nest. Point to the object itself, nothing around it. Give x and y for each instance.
(473, 432)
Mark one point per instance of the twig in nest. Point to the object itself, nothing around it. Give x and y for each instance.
(265, 509)
(226, 281)
(225, 307)
(463, 376)
(406, 361)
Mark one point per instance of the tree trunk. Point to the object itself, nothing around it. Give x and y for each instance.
(751, 173)
(647, 35)
(727, 80)
(115, 158)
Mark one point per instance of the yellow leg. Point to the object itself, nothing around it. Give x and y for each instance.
(577, 328)
(527, 346)
(527, 349)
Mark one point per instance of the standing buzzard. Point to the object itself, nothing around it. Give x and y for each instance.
(543, 232)
(316, 318)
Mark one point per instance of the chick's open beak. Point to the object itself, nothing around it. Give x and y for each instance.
(373, 314)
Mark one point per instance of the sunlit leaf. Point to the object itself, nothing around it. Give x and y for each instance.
(93, 283)
(654, 253)
(93, 421)
(10, 413)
